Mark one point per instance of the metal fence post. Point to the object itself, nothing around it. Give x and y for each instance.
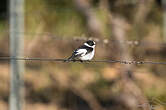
(16, 22)
(164, 22)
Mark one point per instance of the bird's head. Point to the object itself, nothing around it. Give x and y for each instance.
(90, 43)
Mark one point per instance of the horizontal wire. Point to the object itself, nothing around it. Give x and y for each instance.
(93, 61)
(84, 38)
(31, 59)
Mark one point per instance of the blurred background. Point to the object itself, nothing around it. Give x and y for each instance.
(123, 29)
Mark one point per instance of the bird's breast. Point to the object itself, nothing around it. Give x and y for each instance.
(88, 56)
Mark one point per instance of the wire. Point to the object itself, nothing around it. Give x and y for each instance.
(91, 61)
(105, 41)
(31, 59)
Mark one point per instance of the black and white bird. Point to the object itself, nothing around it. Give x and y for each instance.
(85, 52)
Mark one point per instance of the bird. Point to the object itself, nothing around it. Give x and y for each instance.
(84, 53)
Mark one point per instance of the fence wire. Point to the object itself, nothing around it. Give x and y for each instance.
(89, 61)
(105, 41)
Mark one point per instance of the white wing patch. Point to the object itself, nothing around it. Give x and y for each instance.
(81, 52)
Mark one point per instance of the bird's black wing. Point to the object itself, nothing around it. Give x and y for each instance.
(80, 51)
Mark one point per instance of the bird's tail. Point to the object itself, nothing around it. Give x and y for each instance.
(70, 58)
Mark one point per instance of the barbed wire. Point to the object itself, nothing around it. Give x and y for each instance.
(89, 61)
(153, 103)
(105, 41)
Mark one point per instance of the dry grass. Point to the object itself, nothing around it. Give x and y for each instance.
(39, 79)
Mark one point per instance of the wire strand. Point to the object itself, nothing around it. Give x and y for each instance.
(91, 61)
(105, 41)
